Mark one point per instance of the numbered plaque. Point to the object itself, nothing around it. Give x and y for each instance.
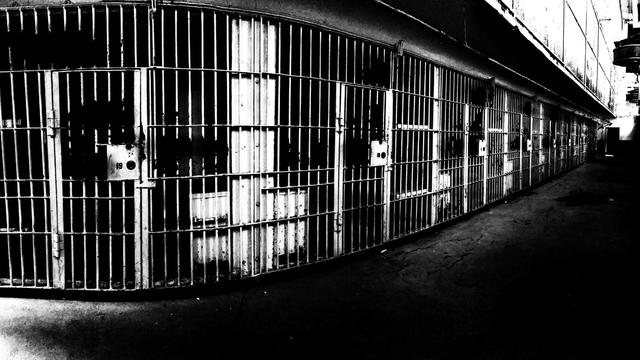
(122, 162)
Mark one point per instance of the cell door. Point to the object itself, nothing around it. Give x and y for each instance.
(363, 148)
(98, 154)
(26, 255)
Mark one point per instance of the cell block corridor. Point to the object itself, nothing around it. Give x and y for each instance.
(195, 146)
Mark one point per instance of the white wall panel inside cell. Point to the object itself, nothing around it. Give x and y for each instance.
(253, 148)
(209, 208)
(283, 237)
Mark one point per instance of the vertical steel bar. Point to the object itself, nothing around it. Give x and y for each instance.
(230, 247)
(299, 144)
(143, 188)
(329, 153)
(5, 188)
(190, 130)
(176, 111)
(530, 149)
(31, 179)
(55, 176)
(465, 161)
(206, 244)
(520, 172)
(42, 137)
(135, 36)
(318, 179)
(308, 132)
(277, 161)
(485, 166)
(217, 245)
(435, 144)
(14, 119)
(423, 149)
(386, 186)
(338, 179)
(505, 146)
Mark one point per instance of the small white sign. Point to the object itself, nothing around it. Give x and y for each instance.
(378, 155)
(529, 145)
(482, 148)
(123, 162)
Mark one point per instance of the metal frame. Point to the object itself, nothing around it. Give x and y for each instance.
(54, 148)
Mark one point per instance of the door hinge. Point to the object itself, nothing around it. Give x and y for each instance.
(340, 124)
(55, 124)
(56, 244)
(52, 131)
(337, 223)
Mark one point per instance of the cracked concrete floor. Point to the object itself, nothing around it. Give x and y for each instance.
(549, 274)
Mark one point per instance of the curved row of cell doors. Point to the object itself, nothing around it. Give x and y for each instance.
(106, 185)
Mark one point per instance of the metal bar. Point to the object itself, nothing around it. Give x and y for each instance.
(340, 98)
(17, 169)
(5, 188)
(505, 146)
(299, 141)
(228, 56)
(54, 148)
(435, 144)
(465, 161)
(521, 175)
(202, 164)
(530, 150)
(190, 132)
(42, 136)
(485, 166)
(386, 183)
(554, 146)
(176, 109)
(145, 212)
(30, 173)
(141, 191)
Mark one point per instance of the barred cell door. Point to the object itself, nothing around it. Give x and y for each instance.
(362, 202)
(96, 154)
(28, 250)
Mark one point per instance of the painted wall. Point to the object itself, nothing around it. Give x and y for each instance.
(573, 31)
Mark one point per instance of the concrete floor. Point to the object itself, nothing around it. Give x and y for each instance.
(549, 274)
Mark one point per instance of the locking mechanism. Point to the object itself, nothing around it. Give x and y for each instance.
(123, 162)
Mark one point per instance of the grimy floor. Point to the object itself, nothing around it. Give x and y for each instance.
(549, 274)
